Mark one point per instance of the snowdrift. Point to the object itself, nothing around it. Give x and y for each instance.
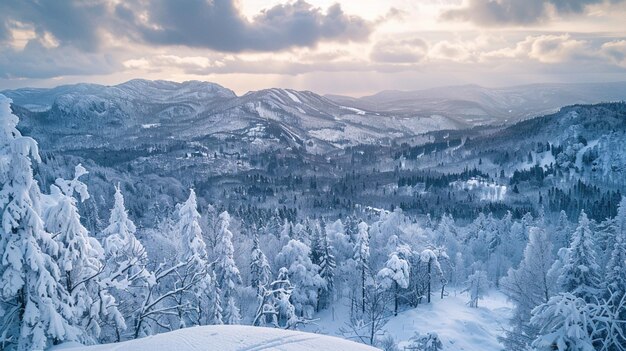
(228, 338)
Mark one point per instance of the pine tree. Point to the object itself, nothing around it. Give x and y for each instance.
(193, 247)
(580, 274)
(36, 310)
(362, 257)
(564, 324)
(126, 261)
(528, 286)
(195, 271)
(275, 308)
(215, 313)
(226, 271)
(260, 272)
(327, 269)
(80, 258)
(616, 267)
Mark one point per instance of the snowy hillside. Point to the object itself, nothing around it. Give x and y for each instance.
(475, 105)
(228, 338)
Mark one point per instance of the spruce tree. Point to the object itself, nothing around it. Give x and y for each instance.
(36, 309)
(581, 274)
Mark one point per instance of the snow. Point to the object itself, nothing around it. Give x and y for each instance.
(227, 338)
(355, 110)
(293, 96)
(581, 152)
(460, 327)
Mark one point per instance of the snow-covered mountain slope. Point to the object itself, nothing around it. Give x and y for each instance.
(474, 104)
(157, 112)
(228, 338)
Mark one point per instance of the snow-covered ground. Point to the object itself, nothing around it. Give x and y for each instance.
(227, 338)
(460, 327)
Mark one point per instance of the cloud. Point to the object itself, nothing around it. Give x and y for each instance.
(453, 51)
(38, 61)
(517, 12)
(615, 51)
(546, 49)
(219, 25)
(399, 51)
(70, 22)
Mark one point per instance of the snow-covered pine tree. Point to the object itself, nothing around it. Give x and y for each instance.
(528, 286)
(564, 324)
(36, 310)
(476, 286)
(327, 269)
(581, 274)
(126, 261)
(215, 312)
(226, 271)
(395, 275)
(616, 268)
(275, 308)
(260, 272)
(362, 257)
(80, 258)
(195, 272)
(193, 247)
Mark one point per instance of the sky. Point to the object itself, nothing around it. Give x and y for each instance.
(350, 47)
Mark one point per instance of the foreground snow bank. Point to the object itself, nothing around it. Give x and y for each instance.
(226, 338)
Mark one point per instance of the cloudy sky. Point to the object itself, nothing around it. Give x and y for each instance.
(350, 47)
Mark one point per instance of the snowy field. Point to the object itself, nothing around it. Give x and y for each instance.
(228, 338)
(460, 327)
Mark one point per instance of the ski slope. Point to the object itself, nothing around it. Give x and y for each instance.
(227, 338)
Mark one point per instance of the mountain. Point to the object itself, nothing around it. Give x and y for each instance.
(472, 104)
(302, 152)
(141, 111)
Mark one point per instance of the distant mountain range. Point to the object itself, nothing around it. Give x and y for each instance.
(298, 150)
(472, 104)
(142, 111)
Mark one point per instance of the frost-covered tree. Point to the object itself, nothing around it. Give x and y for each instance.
(528, 286)
(275, 307)
(215, 311)
(580, 274)
(426, 342)
(226, 271)
(430, 259)
(193, 253)
(193, 247)
(303, 274)
(476, 286)
(327, 269)
(616, 268)
(126, 259)
(564, 323)
(362, 257)
(80, 258)
(395, 276)
(260, 272)
(36, 309)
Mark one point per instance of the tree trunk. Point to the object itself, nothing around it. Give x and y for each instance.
(429, 264)
(363, 290)
(395, 310)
